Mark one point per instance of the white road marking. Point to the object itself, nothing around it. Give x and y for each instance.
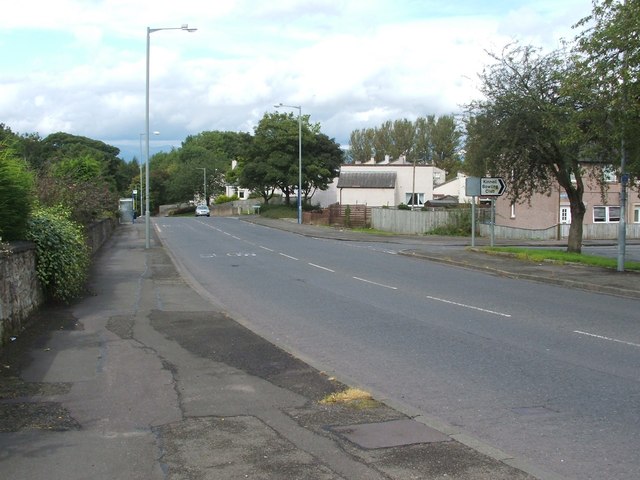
(288, 256)
(602, 337)
(265, 248)
(322, 268)
(237, 238)
(207, 255)
(375, 283)
(468, 306)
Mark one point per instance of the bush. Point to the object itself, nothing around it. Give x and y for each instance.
(16, 195)
(402, 206)
(225, 199)
(62, 254)
(459, 224)
(278, 211)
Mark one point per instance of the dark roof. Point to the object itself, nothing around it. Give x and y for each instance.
(367, 180)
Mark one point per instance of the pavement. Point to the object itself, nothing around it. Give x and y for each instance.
(145, 378)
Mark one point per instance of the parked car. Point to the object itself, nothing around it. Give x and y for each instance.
(202, 210)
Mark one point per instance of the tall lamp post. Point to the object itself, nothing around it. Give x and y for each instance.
(299, 107)
(147, 221)
(204, 183)
(141, 157)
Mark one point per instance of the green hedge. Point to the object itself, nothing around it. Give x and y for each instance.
(63, 257)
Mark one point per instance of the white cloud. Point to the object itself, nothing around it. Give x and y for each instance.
(79, 65)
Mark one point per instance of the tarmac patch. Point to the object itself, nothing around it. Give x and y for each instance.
(390, 434)
(234, 448)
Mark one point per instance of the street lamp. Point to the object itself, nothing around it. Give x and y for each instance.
(141, 157)
(186, 28)
(204, 183)
(299, 107)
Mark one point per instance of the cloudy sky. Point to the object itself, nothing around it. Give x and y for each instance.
(78, 66)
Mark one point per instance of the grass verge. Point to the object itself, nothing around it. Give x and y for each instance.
(560, 256)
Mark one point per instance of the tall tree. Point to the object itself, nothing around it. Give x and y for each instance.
(609, 64)
(525, 129)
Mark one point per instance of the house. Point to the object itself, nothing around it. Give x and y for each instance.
(385, 184)
(454, 188)
(545, 211)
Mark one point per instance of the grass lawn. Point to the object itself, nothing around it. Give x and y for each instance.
(559, 256)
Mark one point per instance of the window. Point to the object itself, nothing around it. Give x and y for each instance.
(606, 214)
(636, 213)
(565, 215)
(419, 198)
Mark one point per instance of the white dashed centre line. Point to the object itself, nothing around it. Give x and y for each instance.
(322, 268)
(375, 283)
(602, 337)
(288, 256)
(469, 306)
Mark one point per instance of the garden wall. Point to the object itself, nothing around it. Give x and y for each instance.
(20, 291)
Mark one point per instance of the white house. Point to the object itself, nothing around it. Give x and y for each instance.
(453, 188)
(382, 184)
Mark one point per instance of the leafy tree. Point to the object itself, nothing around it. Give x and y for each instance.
(427, 140)
(527, 129)
(361, 145)
(609, 65)
(16, 194)
(273, 162)
(79, 184)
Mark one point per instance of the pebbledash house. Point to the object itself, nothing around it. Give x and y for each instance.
(549, 215)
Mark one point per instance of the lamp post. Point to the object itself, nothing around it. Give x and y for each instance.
(186, 28)
(204, 183)
(141, 157)
(299, 107)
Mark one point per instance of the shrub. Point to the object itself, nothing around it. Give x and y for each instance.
(402, 206)
(16, 195)
(62, 254)
(225, 199)
(459, 224)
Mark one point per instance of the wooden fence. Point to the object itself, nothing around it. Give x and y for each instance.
(336, 214)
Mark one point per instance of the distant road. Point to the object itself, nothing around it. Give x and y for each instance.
(547, 374)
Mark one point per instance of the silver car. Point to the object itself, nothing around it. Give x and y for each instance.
(202, 210)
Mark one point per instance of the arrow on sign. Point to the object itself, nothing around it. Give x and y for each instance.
(492, 186)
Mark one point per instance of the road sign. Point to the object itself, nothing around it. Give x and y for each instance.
(492, 186)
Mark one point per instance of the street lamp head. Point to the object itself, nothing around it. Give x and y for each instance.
(186, 28)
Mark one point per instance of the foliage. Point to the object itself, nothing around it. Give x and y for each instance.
(608, 64)
(16, 195)
(558, 256)
(79, 185)
(278, 211)
(62, 253)
(528, 130)
(273, 161)
(404, 206)
(458, 224)
(429, 140)
(225, 199)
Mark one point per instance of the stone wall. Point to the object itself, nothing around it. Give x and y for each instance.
(20, 291)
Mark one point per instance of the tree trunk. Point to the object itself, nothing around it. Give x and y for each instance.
(574, 243)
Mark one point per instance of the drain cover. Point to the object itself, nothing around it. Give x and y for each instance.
(389, 434)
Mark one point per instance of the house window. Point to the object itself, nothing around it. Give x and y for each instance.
(241, 195)
(565, 215)
(603, 214)
(419, 199)
(636, 213)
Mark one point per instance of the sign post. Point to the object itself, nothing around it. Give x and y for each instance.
(483, 187)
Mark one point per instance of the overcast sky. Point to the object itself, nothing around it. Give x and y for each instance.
(78, 66)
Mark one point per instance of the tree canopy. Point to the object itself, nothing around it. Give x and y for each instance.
(426, 140)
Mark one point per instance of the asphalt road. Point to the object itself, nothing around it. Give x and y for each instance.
(548, 374)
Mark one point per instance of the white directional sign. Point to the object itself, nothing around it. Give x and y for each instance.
(492, 186)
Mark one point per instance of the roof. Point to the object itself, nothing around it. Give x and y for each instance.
(367, 180)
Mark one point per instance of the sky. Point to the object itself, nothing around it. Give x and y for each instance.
(79, 66)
